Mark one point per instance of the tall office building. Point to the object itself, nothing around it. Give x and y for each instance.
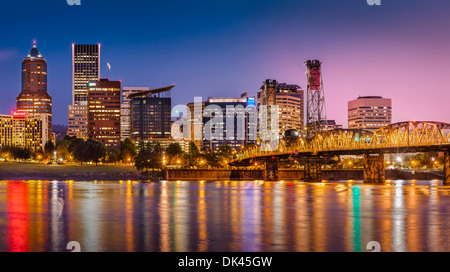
(290, 101)
(34, 98)
(151, 114)
(125, 110)
(85, 68)
(103, 101)
(369, 113)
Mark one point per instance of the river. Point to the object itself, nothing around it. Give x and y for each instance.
(226, 216)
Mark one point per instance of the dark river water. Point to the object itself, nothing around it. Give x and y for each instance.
(224, 216)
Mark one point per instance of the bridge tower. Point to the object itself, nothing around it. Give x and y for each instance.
(374, 168)
(447, 167)
(268, 127)
(271, 169)
(315, 98)
(313, 169)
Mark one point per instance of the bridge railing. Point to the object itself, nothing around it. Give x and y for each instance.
(398, 135)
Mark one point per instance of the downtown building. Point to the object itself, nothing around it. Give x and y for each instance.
(195, 121)
(150, 115)
(125, 110)
(85, 68)
(33, 98)
(290, 101)
(329, 125)
(23, 130)
(369, 113)
(103, 112)
(236, 126)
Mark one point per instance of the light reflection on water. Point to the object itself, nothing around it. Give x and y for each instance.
(224, 216)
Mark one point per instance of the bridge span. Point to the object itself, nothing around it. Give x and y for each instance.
(403, 137)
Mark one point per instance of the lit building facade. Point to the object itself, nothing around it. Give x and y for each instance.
(196, 121)
(329, 125)
(369, 113)
(33, 97)
(290, 101)
(125, 110)
(151, 114)
(23, 130)
(247, 135)
(77, 123)
(104, 112)
(85, 68)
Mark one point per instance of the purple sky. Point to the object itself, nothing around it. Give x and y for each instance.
(399, 50)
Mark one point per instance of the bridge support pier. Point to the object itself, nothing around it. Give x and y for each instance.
(313, 169)
(447, 167)
(271, 170)
(374, 168)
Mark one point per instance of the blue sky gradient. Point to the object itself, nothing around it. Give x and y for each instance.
(398, 50)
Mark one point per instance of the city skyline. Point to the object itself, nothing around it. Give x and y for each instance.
(206, 52)
(255, 127)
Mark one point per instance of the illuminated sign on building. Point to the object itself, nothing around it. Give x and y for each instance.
(19, 114)
(251, 102)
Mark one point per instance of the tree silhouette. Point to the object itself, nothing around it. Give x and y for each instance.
(127, 150)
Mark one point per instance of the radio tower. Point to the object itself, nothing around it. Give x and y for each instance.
(315, 98)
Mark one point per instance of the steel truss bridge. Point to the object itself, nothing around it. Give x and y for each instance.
(403, 137)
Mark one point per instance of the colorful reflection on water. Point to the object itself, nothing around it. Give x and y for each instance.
(224, 216)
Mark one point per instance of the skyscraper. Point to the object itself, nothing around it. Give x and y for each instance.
(234, 114)
(125, 110)
(85, 68)
(104, 112)
(369, 112)
(34, 98)
(151, 114)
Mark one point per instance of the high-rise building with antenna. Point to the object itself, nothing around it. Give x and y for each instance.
(33, 97)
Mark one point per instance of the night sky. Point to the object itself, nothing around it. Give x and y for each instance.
(399, 50)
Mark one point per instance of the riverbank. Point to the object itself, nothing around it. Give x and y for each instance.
(77, 172)
(37, 171)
